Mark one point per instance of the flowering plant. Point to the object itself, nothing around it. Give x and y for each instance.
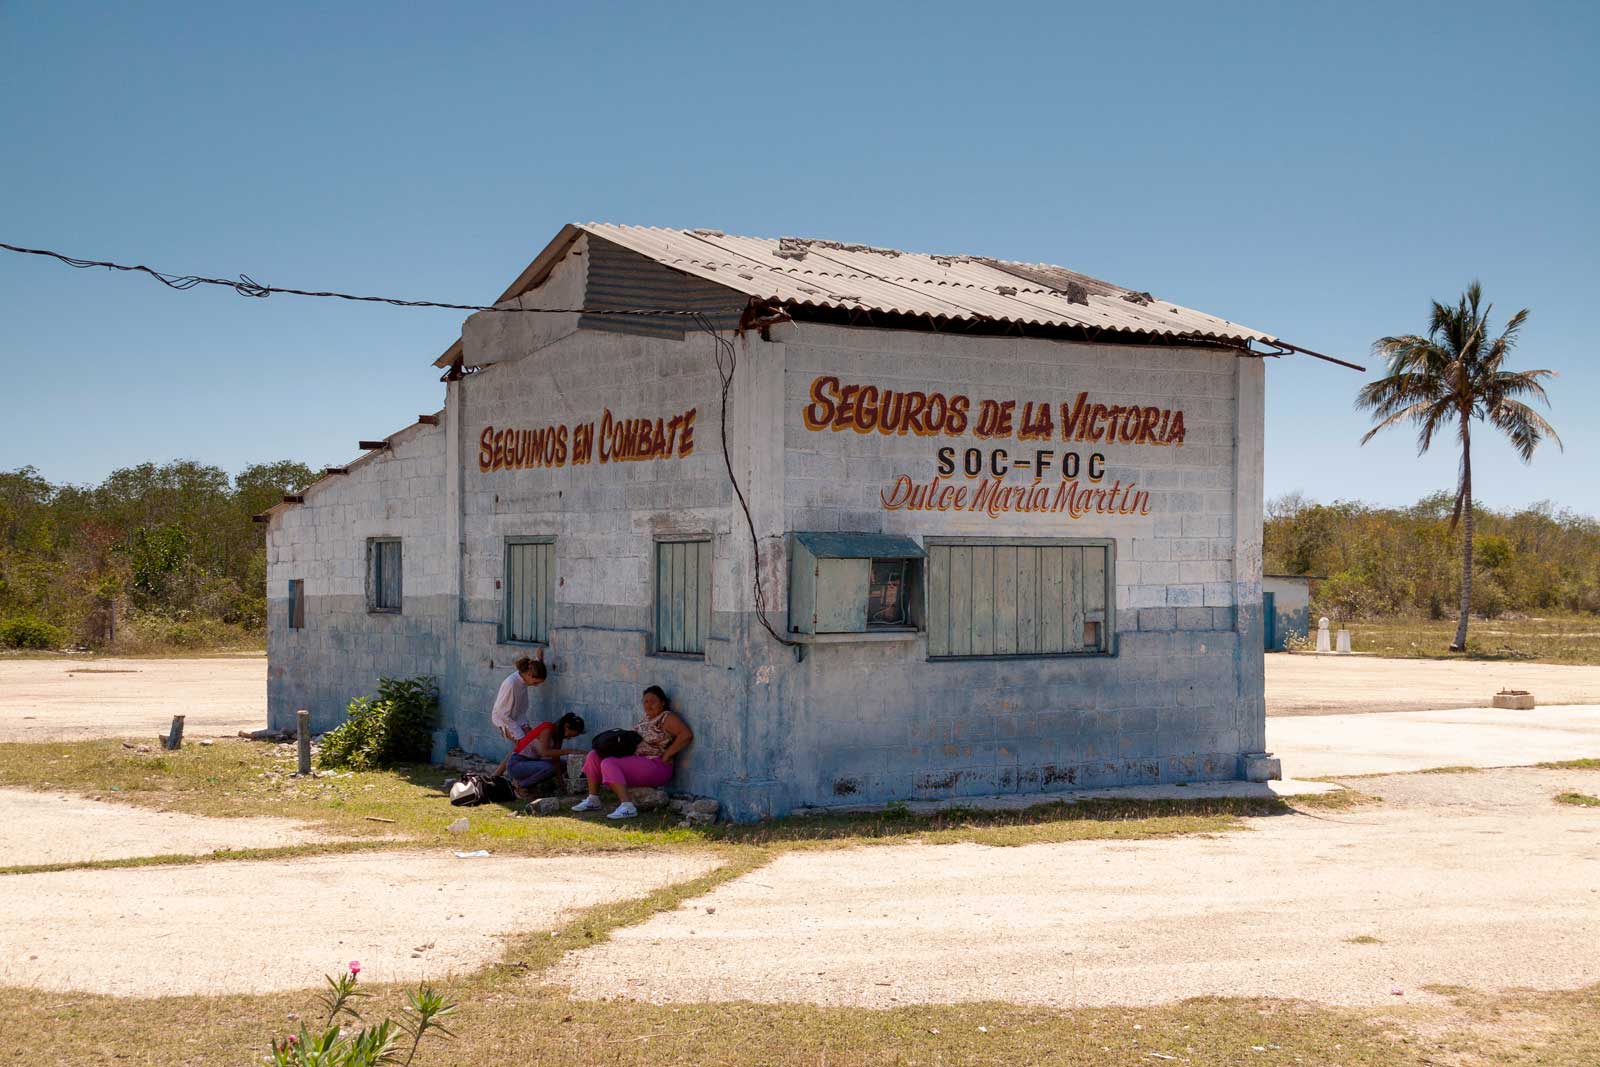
(335, 1046)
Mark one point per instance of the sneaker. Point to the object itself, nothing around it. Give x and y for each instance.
(624, 811)
(590, 803)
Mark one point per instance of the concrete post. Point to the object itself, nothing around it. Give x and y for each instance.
(303, 724)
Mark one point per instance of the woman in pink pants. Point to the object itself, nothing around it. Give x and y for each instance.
(665, 734)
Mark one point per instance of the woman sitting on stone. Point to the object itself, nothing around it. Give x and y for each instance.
(664, 734)
(537, 756)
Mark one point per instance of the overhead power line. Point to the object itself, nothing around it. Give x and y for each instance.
(248, 286)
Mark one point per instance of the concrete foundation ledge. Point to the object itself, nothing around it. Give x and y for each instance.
(1021, 802)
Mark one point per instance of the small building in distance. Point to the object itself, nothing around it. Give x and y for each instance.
(1286, 608)
(885, 526)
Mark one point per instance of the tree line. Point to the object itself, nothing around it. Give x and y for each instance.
(1376, 561)
(157, 554)
(168, 555)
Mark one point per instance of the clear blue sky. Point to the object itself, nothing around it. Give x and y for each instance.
(1319, 171)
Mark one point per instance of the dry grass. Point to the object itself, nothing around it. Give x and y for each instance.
(1578, 800)
(1571, 765)
(1546, 639)
(239, 778)
(506, 1015)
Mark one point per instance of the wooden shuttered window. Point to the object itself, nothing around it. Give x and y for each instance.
(297, 604)
(384, 589)
(1016, 598)
(683, 596)
(529, 589)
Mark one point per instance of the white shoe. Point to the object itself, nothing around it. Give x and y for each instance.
(624, 811)
(590, 803)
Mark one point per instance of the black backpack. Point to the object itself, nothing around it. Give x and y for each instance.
(612, 743)
(475, 789)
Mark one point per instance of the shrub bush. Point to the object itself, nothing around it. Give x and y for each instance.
(25, 631)
(396, 726)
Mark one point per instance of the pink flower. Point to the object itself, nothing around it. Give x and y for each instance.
(293, 1040)
(355, 966)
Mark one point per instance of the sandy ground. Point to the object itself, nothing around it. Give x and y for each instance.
(41, 828)
(1322, 746)
(1494, 886)
(64, 698)
(1328, 685)
(254, 927)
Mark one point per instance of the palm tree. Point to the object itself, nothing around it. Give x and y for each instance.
(1451, 378)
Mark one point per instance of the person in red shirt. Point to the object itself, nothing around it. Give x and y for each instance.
(537, 756)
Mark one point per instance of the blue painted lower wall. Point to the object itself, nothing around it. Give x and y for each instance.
(850, 724)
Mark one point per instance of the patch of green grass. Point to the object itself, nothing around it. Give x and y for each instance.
(1340, 799)
(281, 852)
(1579, 800)
(1544, 639)
(1571, 765)
(1455, 769)
(235, 778)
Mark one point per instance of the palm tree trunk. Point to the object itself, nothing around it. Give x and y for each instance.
(1460, 643)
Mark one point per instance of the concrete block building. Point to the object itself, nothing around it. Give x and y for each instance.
(884, 525)
(1285, 608)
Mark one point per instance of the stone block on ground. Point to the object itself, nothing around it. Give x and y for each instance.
(1514, 700)
(705, 806)
(545, 806)
(699, 818)
(469, 762)
(1261, 768)
(646, 799)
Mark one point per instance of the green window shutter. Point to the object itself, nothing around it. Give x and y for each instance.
(683, 596)
(528, 591)
(385, 589)
(1016, 598)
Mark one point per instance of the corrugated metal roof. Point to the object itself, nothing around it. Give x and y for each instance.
(831, 274)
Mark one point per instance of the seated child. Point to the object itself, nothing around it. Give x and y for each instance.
(537, 756)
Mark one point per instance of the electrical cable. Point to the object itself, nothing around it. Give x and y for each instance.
(248, 286)
(725, 369)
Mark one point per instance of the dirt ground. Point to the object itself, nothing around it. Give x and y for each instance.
(1326, 746)
(1334, 685)
(1478, 880)
(62, 698)
(255, 927)
(45, 828)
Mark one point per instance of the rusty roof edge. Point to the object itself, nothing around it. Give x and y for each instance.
(360, 461)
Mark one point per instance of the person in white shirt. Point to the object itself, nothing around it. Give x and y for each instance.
(510, 713)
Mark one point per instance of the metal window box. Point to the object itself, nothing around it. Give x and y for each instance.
(829, 577)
